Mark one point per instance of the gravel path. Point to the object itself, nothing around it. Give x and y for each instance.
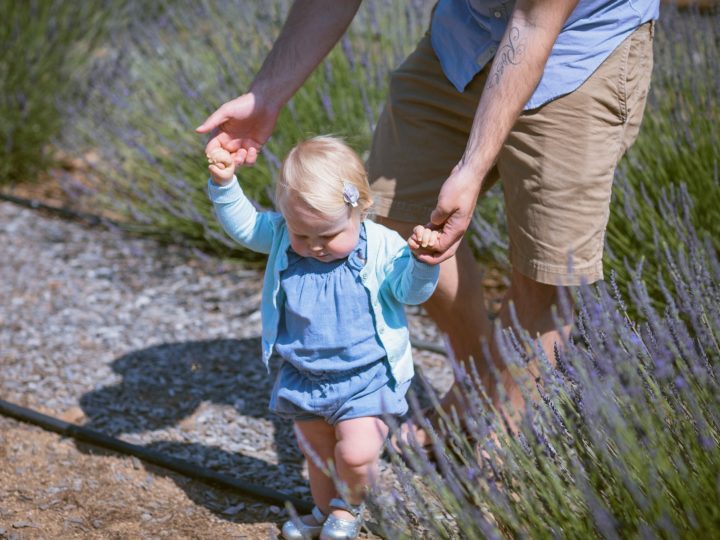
(156, 345)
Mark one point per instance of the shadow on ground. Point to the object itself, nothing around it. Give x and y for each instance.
(178, 387)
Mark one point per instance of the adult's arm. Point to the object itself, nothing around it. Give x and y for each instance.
(311, 29)
(515, 72)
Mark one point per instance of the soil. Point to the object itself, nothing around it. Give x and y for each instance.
(53, 487)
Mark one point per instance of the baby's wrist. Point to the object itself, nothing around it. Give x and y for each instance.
(221, 182)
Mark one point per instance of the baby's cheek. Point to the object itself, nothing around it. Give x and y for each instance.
(345, 246)
(295, 245)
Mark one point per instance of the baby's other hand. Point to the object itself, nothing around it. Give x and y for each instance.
(423, 240)
(222, 166)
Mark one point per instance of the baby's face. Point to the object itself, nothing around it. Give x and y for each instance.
(325, 239)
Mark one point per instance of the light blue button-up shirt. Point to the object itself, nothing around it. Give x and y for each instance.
(465, 35)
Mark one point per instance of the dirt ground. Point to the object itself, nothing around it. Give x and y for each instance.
(53, 487)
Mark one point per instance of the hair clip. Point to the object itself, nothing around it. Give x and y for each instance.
(350, 194)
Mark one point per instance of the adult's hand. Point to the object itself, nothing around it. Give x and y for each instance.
(241, 126)
(311, 30)
(453, 213)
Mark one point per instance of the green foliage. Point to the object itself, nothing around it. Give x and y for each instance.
(44, 45)
(160, 80)
(679, 142)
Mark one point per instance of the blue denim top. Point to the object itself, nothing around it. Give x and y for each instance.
(326, 324)
(465, 35)
(392, 276)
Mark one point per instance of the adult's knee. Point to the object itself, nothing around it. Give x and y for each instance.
(533, 303)
(527, 290)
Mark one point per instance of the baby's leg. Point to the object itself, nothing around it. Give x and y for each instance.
(320, 437)
(357, 451)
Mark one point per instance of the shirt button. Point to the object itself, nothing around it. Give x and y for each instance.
(382, 330)
(497, 14)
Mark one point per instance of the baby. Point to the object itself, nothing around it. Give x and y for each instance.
(332, 308)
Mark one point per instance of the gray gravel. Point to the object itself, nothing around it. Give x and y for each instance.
(157, 345)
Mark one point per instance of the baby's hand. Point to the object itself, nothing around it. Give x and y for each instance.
(222, 167)
(422, 239)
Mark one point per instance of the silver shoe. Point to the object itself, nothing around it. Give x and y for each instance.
(297, 530)
(343, 529)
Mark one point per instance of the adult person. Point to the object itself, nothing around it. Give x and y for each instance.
(545, 94)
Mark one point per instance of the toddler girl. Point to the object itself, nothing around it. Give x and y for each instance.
(332, 308)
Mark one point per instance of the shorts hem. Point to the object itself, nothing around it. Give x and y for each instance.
(330, 421)
(381, 416)
(563, 276)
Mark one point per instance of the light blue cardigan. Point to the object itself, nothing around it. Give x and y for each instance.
(392, 276)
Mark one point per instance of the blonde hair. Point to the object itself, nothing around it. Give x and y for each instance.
(316, 171)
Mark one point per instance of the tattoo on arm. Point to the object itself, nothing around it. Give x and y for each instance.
(510, 54)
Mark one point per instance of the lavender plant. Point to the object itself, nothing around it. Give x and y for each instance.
(161, 78)
(623, 437)
(45, 45)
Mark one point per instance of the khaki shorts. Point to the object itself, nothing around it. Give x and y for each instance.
(556, 166)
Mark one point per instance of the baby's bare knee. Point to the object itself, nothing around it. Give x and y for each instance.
(356, 454)
(359, 441)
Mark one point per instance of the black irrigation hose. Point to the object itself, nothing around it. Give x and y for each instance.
(426, 345)
(185, 468)
(90, 219)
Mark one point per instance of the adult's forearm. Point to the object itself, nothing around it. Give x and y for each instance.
(311, 30)
(514, 75)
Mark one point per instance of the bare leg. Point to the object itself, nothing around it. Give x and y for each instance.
(320, 436)
(533, 303)
(357, 451)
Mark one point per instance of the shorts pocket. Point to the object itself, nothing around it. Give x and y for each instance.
(622, 84)
(635, 69)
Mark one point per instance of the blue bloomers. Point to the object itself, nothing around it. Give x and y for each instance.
(335, 396)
